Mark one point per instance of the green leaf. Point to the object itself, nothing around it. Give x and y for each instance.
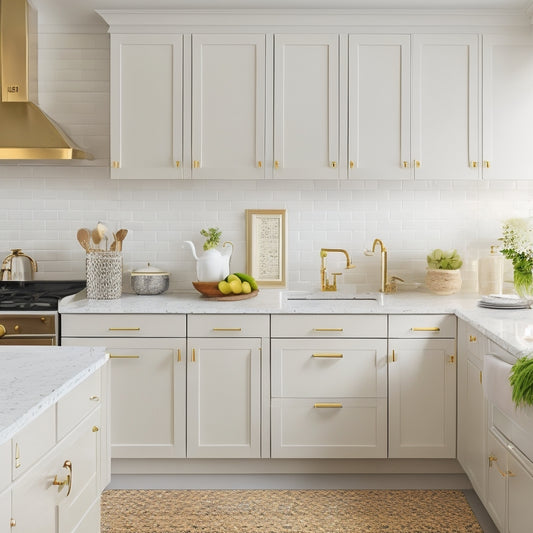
(521, 380)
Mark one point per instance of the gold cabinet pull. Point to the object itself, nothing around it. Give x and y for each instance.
(352, 164)
(425, 329)
(405, 164)
(68, 481)
(124, 329)
(417, 163)
(260, 164)
(328, 355)
(18, 464)
(327, 405)
(473, 164)
(494, 460)
(196, 164)
(94, 398)
(178, 164)
(472, 338)
(328, 329)
(115, 164)
(276, 164)
(486, 164)
(393, 357)
(179, 355)
(113, 356)
(193, 357)
(451, 359)
(333, 164)
(12, 522)
(96, 429)
(227, 329)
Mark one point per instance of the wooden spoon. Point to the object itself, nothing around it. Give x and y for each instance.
(96, 236)
(120, 236)
(84, 238)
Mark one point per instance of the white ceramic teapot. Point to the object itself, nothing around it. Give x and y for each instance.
(212, 265)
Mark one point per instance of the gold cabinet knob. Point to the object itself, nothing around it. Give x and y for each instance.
(95, 429)
(115, 164)
(352, 164)
(196, 164)
(178, 164)
(333, 164)
(472, 338)
(276, 164)
(418, 164)
(260, 164)
(3, 330)
(405, 164)
(473, 164)
(12, 522)
(486, 164)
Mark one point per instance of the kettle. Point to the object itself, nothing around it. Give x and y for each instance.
(18, 266)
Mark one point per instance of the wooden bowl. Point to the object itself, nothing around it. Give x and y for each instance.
(207, 288)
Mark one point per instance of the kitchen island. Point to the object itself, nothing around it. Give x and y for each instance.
(54, 446)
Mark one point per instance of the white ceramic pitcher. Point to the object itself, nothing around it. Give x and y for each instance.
(212, 265)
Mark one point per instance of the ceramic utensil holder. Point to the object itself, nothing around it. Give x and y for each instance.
(104, 275)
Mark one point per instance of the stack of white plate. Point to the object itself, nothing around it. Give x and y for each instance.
(504, 301)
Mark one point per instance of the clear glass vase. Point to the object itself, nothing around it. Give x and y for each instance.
(523, 282)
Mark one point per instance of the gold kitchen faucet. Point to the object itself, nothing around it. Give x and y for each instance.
(325, 285)
(385, 286)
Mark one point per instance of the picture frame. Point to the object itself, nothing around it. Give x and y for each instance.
(266, 246)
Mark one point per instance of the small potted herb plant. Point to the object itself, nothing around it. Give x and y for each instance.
(443, 275)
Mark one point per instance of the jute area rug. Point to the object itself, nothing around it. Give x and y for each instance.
(287, 511)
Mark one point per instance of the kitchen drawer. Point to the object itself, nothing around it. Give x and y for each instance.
(422, 326)
(78, 403)
(307, 368)
(123, 325)
(30, 323)
(5, 464)
(349, 428)
(33, 441)
(228, 325)
(329, 326)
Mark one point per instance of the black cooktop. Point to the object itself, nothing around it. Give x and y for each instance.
(41, 295)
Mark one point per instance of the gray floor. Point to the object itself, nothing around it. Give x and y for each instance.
(480, 512)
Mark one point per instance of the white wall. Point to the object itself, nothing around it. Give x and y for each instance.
(41, 207)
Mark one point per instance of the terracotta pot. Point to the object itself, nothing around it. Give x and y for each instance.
(442, 281)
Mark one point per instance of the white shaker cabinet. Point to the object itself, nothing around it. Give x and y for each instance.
(224, 384)
(379, 127)
(306, 106)
(5, 511)
(146, 106)
(228, 106)
(148, 372)
(445, 124)
(507, 107)
(422, 386)
(472, 412)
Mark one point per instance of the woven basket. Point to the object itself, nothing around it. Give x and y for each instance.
(443, 281)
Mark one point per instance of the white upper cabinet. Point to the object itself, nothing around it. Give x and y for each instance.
(228, 106)
(146, 106)
(507, 107)
(306, 106)
(379, 88)
(445, 107)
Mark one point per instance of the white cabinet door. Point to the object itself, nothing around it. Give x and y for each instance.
(224, 398)
(422, 388)
(520, 519)
(496, 499)
(147, 378)
(306, 106)
(5, 511)
(445, 114)
(379, 96)
(146, 106)
(228, 106)
(507, 107)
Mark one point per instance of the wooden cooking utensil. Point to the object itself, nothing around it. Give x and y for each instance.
(96, 237)
(84, 238)
(120, 236)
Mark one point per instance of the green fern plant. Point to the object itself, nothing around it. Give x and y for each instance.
(521, 380)
(213, 236)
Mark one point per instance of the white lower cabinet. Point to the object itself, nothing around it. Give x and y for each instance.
(5, 511)
(224, 384)
(147, 376)
(329, 391)
(496, 499)
(520, 491)
(422, 387)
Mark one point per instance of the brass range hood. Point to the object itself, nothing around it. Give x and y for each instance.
(25, 131)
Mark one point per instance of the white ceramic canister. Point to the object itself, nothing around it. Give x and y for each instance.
(490, 272)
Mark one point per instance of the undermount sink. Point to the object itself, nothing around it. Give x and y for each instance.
(332, 296)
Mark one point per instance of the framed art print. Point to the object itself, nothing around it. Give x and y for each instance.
(266, 243)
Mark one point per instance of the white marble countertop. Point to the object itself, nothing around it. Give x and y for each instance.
(32, 378)
(511, 329)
